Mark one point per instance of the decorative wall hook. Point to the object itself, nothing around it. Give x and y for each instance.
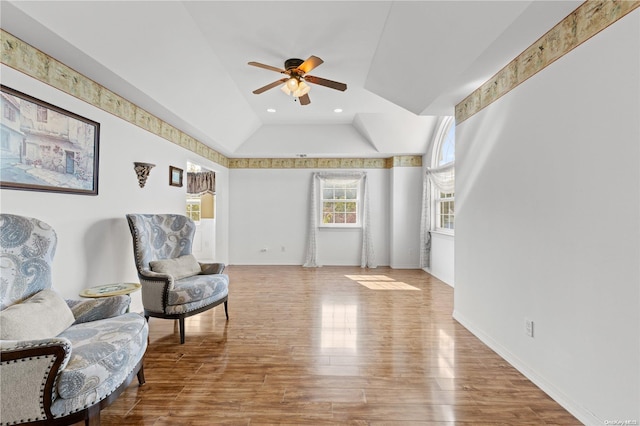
(142, 170)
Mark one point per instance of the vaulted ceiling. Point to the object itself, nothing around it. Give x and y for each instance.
(406, 63)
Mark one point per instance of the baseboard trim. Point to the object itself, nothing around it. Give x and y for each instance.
(428, 271)
(583, 415)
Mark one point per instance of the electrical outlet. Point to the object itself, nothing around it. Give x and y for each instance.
(528, 327)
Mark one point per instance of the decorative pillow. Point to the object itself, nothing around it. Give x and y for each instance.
(179, 267)
(42, 316)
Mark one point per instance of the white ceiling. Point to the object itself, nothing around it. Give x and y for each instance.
(405, 64)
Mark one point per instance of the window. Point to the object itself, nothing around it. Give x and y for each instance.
(194, 208)
(445, 153)
(340, 201)
(444, 211)
(447, 147)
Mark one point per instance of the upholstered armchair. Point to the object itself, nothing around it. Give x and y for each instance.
(61, 361)
(174, 284)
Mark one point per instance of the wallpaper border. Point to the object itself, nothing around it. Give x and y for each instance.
(587, 20)
(326, 163)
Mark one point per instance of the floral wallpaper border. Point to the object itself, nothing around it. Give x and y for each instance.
(587, 20)
(326, 163)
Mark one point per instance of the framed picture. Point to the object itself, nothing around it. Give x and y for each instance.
(46, 148)
(175, 176)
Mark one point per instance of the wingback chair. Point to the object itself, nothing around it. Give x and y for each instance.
(174, 284)
(61, 361)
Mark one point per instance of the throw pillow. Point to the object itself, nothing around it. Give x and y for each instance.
(179, 267)
(42, 316)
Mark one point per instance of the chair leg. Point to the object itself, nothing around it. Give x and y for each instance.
(141, 380)
(93, 416)
(181, 321)
(226, 310)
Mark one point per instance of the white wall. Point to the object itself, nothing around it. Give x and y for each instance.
(404, 225)
(204, 240)
(94, 243)
(547, 226)
(442, 257)
(270, 209)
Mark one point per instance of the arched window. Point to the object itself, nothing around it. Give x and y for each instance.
(446, 148)
(444, 153)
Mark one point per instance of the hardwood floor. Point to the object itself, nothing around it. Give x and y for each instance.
(313, 346)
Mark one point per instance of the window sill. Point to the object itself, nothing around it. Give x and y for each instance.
(339, 227)
(450, 233)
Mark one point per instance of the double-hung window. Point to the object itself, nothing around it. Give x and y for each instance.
(340, 202)
(194, 208)
(445, 210)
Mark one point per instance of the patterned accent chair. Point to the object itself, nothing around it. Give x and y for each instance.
(174, 284)
(61, 361)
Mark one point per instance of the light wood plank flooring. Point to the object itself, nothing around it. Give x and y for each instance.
(317, 347)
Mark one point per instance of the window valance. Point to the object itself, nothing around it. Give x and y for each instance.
(199, 183)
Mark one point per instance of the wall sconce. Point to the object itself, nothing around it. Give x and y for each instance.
(142, 170)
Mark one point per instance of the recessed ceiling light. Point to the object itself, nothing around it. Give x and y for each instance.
(271, 110)
(337, 110)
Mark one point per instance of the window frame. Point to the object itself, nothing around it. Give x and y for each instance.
(357, 200)
(439, 199)
(191, 201)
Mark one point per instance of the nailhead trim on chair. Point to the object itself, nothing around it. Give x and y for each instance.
(52, 359)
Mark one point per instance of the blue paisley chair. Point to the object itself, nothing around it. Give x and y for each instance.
(174, 284)
(62, 361)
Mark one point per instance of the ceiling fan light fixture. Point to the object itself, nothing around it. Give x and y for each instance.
(292, 84)
(286, 89)
(295, 82)
(303, 89)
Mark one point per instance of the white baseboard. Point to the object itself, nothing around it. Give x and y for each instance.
(582, 414)
(428, 271)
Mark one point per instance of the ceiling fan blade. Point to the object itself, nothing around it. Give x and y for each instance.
(267, 67)
(310, 63)
(304, 99)
(269, 86)
(327, 83)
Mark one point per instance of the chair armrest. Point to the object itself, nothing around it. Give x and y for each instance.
(29, 370)
(86, 310)
(149, 275)
(211, 268)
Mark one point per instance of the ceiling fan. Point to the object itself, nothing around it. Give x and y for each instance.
(296, 81)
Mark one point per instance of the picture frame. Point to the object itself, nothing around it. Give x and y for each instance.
(175, 176)
(46, 148)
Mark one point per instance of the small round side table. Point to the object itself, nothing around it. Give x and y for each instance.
(108, 290)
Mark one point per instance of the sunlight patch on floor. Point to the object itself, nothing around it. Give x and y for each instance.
(380, 282)
(387, 285)
(369, 278)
